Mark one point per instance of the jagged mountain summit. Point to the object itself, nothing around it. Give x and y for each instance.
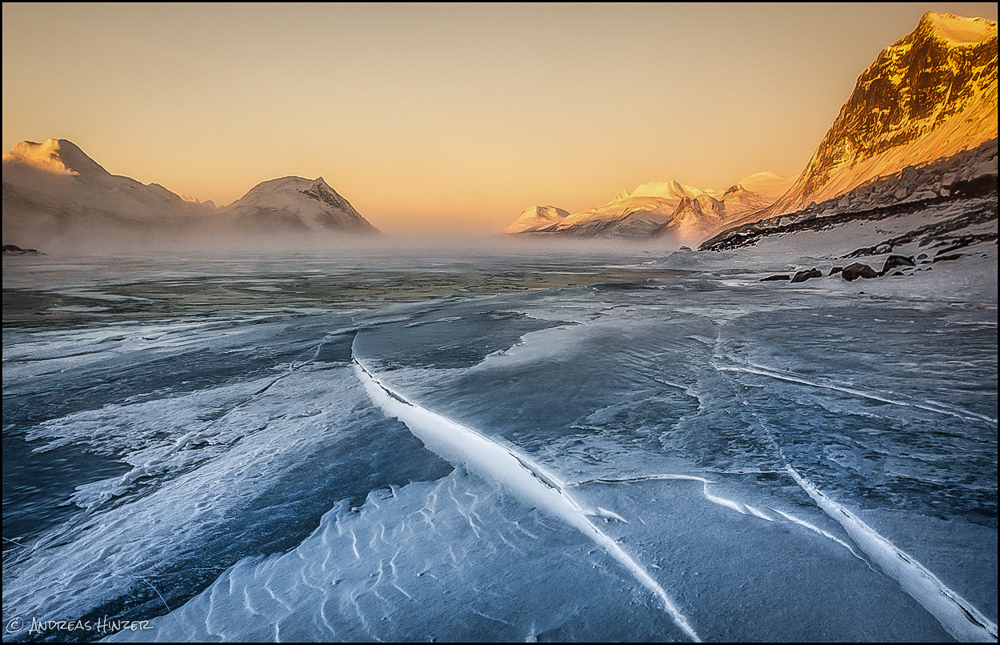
(913, 154)
(930, 95)
(294, 203)
(639, 213)
(669, 190)
(56, 196)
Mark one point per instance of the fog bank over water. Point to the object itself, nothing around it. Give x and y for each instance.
(164, 245)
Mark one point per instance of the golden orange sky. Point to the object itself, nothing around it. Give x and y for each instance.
(432, 118)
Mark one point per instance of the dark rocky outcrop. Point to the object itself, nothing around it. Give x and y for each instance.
(13, 249)
(894, 261)
(857, 270)
(973, 187)
(802, 276)
(782, 277)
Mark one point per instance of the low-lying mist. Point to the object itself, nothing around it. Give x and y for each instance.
(116, 240)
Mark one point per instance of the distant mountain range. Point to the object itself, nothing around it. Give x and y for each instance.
(658, 208)
(929, 96)
(54, 195)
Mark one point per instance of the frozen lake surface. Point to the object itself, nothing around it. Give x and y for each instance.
(605, 452)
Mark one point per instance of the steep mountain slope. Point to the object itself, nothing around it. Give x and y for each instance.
(54, 195)
(930, 95)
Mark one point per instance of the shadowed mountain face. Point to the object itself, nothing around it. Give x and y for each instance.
(57, 197)
(930, 95)
(57, 173)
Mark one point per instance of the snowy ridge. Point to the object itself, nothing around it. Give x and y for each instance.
(672, 190)
(769, 184)
(916, 207)
(524, 478)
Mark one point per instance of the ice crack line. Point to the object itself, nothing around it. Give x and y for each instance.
(958, 616)
(464, 446)
(939, 408)
(722, 501)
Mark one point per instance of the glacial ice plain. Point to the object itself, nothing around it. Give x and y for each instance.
(693, 457)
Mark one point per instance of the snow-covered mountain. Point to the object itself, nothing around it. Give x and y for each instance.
(536, 218)
(640, 213)
(658, 208)
(768, 184)
(669, 190)
(55, 196)
(294, 204)
(57, 171)
(930, 95)
(913, 155)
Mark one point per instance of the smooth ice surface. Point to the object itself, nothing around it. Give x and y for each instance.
(699, 457)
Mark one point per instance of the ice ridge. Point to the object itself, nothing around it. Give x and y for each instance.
(467, 447)
(957, 615)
